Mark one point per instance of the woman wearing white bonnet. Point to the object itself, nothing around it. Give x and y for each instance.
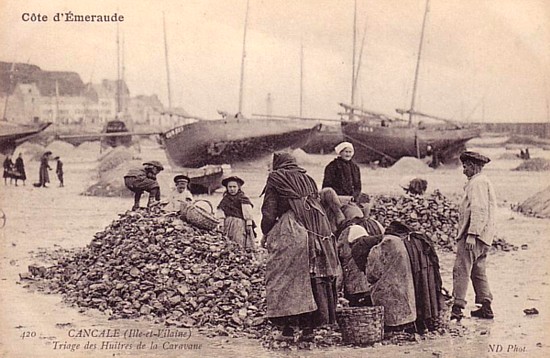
(342, 174)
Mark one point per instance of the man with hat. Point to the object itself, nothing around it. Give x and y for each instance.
(180, 194)
(475, 236)
(143, 179)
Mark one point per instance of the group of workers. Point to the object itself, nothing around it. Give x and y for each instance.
(320, 241)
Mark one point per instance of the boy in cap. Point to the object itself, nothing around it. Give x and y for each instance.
(144, 179)
(59, 171)
(475, 236)
(180, 194)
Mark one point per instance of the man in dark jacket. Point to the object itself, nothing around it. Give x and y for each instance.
(59, 171)
(144, 179)
(342, 174)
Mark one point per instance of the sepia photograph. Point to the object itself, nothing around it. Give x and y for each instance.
(253, 178)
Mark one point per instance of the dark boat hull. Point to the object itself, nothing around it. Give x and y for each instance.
(232, 140)
(205, 180)
(388, 144)
(324, 140)
(13, 135)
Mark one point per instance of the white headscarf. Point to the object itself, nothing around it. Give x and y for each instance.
(340, 147)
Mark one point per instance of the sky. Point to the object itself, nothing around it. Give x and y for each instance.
(482, 60)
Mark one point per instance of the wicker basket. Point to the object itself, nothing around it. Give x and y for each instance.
(198, 216)
(361, 325)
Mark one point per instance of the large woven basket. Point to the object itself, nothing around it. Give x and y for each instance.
(361, 325)
(199, 217)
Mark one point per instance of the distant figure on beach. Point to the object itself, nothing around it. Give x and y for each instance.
(43, 175)
(59, 171)
(180, 194)
(20, 169)
(527, 155)
(235, 209)
(8, 168)
(521, 154)
(144, 179)
(342, 174)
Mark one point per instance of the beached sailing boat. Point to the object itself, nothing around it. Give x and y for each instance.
(233, 138)
(378, 137)
(12, 134)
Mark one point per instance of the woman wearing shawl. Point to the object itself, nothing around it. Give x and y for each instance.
(43, 175)
(236, 211)
(20, 169)
(8, 168)
(342, 174)
(302, 263)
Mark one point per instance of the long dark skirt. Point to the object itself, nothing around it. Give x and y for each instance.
(325, 295)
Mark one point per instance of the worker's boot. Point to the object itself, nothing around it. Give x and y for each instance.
(456, 313)
(287, 335)
(484, 311)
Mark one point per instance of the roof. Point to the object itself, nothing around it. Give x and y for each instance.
(68, 83)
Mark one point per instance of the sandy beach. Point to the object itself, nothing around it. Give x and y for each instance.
(44, 220)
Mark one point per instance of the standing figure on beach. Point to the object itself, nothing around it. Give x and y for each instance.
(342, 174)
(139, 180)
(476, 229)
(20, 169)
(59, 171)
(302, 262)
(43, 175)
(235, 211)
(8, 168)
(180, 194)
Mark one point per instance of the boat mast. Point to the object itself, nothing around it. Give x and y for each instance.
(56, 106)
(123, 98)
(301, 78)
(8, 93)
(418, 62)
(353, 57)
(117, 71)
(242, 60)
(167, 66)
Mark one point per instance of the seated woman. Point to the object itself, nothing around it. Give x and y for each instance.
(342, 174)
(180, 194)
(235, 210)
(389, 271)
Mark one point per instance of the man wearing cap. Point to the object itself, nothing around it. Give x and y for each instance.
(59, 170)
(144, 179)
(180, 194)
(475, 236)
(342, 174)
